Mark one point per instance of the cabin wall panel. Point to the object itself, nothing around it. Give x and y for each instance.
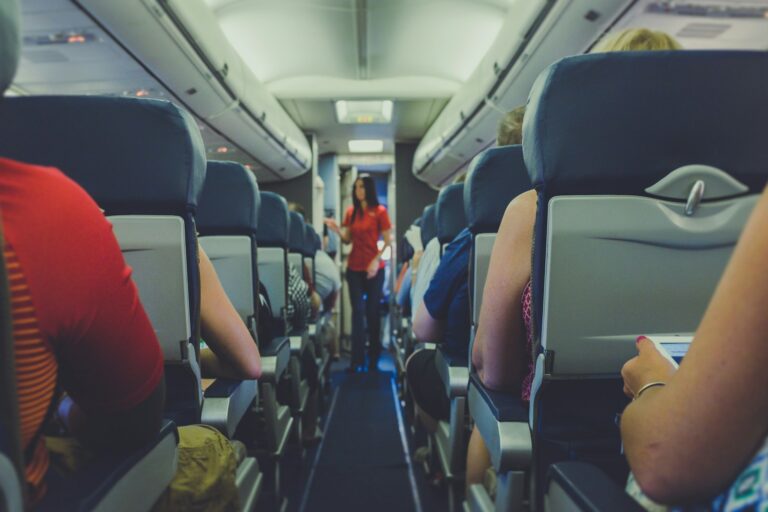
(411, 194)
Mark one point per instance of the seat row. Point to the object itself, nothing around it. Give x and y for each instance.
(144, 163)
(644, 186)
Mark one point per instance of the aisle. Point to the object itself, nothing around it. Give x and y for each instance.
(361, 463)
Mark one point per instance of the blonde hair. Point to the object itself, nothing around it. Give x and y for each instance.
(511, 128)
(637, 39)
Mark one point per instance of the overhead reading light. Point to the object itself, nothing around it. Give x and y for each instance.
(366, 146)
(65, 37)
(364, 112)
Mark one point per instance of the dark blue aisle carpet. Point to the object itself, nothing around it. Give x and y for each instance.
(361, 465)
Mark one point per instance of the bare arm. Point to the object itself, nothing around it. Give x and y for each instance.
(343, 232)
(499, 350)
(234, 349)
(688, 440)
(373, 266)
(426, 328)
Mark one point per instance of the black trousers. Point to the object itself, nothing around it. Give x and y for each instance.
(365, 295)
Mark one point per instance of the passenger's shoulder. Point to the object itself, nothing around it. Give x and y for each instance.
(524, 205)
(47, 185)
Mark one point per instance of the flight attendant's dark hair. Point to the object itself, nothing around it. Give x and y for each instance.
(370, 195)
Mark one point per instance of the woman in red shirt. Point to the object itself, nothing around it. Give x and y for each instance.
(365, 222)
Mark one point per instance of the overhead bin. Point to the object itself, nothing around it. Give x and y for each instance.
(181, 43)
(535, 34)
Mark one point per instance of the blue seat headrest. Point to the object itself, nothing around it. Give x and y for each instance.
(617, 123)
(230, 200)
(428, 225)
(9, 42)
(449, 211)
(495, 177)
(132, 155)
(309, 241)
(318, 241)
(296, 233)
(275, 221)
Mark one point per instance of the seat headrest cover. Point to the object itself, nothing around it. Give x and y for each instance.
(309, 241)
(449, 210)
(495, 177)
(616, 123)
(132, 155)
(428, 224)
(9, 42)
(230, 200)
(296, 233)
(275, 222)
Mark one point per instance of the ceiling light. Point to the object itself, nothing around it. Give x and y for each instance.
(364, 112)
(366, 146)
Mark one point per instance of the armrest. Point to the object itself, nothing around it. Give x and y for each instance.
(455, 376)
(274, 359)
(581, 486)
(226, 402)
(116, 481)
(10, 486)
(425, 346)
(502, 420)
(298, 340)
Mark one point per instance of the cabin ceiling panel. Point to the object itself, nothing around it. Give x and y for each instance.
(440, 38)
(403, 49)
(285, 38)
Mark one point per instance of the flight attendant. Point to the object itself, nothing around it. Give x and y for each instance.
(365, 223)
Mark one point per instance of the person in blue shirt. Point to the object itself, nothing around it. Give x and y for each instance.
(443, 317)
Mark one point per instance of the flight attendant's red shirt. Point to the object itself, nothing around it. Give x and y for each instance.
(76, 315)
(365, 232)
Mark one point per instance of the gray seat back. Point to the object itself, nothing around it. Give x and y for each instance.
(153, 246)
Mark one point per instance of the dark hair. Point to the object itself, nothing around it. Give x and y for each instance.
(370, 195)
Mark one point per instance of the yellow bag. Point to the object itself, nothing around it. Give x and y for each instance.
(205, 476)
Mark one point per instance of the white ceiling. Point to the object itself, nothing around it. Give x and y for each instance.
(310, 52)
(440, 41)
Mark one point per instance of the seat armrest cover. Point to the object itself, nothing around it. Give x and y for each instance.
(10, 486)
(502, 420)
(274, 359)
(504, 406)
(226, 402)
(298, 340)
(581, 486)
(454, 374)
(222, 388)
